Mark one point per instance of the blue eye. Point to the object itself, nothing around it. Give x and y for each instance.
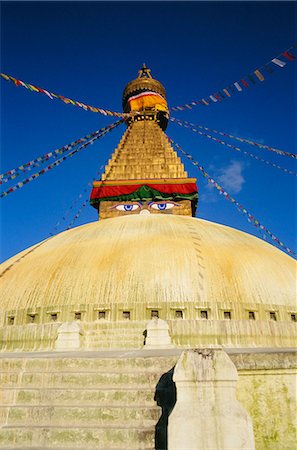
(163, 206)
(124, 207)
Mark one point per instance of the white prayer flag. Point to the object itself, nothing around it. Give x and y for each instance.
(278, 62)
(238, 87)
(48, 94)
(213, 98)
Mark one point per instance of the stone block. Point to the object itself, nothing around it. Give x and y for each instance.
(69, 336)
(157, 334)
(207, 415)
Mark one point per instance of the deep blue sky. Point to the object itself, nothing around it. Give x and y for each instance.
(89, 51)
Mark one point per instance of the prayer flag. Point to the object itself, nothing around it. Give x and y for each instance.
(259, 75)
(48, 94)
(226, 92)
(244, 83)
(251, 79)
(238, 87)
(268, 68)
(278, 62)
(289, 56)
(212, 98)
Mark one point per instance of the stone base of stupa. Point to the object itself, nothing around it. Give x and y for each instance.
(121, 399)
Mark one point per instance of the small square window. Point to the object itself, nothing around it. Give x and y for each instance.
(54, 317)
(126, 315)
(204, 314)
(272, 315)
(77, 315)
(154, 314)
(31, 318)
(227, 315)
(294, 317)
(11, 320)
(101, 315)
(252, 315)
(179, 314)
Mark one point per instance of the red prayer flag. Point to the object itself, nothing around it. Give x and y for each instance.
(289, 56)
(244, 83)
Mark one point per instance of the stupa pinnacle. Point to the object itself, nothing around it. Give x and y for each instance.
(144, 173)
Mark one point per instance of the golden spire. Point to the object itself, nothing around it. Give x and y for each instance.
(144, 153)
(144, 173)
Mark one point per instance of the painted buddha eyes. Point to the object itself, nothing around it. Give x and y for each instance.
(160, 206)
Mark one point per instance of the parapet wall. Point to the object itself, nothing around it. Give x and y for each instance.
(105, 334)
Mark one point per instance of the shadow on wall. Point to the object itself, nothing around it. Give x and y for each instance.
(165, 396)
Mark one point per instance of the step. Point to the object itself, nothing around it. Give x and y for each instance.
(75, 364)
(68, 448)
(74, 379)
(119, 437)
(87, 396)
(80, 416)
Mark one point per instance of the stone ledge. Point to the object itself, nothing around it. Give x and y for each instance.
(264, 361)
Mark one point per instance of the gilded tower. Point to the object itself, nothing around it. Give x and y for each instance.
(144, 174)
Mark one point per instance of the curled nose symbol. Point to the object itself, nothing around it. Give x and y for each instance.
(144, 212)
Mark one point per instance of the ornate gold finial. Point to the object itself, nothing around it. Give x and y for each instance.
(144, 72)
(145, 96)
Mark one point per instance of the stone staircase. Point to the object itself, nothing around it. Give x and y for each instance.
(58, 402)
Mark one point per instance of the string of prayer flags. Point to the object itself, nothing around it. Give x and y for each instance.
(250, 217)
(238, 149)
(246, 141)
(66, 100)
(78, 214)
(58, 161)
(244, 83)
(86, 189)
(64, 218)
(13, 173)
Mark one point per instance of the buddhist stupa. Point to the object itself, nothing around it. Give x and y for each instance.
(214, 284)
(149, 259)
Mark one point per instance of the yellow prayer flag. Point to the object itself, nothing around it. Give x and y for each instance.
(33, 87)
(259, 75)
